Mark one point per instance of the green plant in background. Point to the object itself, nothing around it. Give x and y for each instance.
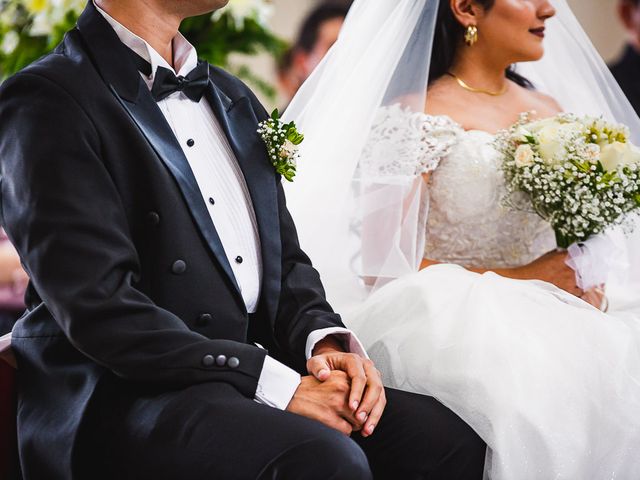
(31, 28)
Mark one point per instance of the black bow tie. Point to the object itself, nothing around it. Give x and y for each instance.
(166, 82)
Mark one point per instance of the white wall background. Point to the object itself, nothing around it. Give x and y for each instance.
(598, 17)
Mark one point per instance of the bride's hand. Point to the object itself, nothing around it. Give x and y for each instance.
(553, 269)
(596, 297)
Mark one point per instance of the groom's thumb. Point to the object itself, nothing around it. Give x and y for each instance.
(319, 368)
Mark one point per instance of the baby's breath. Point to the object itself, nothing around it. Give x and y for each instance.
(581, 174)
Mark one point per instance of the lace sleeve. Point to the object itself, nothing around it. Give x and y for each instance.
(406, 143)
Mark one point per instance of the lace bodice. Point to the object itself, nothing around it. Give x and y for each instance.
(467, 222)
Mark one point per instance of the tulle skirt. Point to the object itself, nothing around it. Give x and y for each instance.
(549, 382)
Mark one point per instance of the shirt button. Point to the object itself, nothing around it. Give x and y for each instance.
(179, 267)
(221, 360)
(208, 360)
(204, 319)
(233, 362)
(212, 201)
(191, 142)
(239, 259)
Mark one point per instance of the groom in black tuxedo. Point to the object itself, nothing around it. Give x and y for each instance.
(162, 259)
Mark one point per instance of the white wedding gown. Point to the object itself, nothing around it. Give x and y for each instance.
(549, 382)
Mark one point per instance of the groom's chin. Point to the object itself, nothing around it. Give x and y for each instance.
(192, 8)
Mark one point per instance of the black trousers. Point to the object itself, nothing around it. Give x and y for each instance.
(210, 432)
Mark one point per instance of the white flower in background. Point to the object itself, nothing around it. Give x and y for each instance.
(617, 154)
(49, 13)
(10, 42)
(258, 10)
(9, 14)
(35, 6)
(42, 24)
(524, 156)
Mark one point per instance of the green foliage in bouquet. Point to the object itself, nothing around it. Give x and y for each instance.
(31, 28)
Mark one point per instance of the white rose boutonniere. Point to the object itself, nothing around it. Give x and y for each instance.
(282, 141)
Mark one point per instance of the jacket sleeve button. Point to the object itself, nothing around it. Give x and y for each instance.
(153, 218)
(179, 267)
(204, 319)
(221, 360)
(208, 360)
(233, 362)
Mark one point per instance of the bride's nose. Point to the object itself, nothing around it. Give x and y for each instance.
(546, 10)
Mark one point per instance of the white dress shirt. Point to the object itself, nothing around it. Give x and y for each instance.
(224, 192)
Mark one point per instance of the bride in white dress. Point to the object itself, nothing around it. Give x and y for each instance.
(493, 325)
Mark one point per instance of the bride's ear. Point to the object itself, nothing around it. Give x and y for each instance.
(465, 11)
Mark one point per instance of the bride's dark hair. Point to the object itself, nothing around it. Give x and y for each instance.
(447, 40)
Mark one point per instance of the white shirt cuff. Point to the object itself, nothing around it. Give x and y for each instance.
(349, 339)
(277, 384)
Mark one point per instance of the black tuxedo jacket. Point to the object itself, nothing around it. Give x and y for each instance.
(130, 285)
(627, 73)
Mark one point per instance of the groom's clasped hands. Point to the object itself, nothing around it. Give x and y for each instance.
(343, 391)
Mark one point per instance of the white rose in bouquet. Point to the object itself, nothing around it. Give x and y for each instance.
(549, 144)
(535, 127)
(617, 153)
(524, 156)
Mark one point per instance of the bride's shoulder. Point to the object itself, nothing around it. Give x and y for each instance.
(544, 105)
(407, 112)
(406, 141)
(442, 98)
(446, 100)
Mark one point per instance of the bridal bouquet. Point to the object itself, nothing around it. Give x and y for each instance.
(581, 174)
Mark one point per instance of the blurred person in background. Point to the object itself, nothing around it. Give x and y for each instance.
(627, 68)
(318, 33)
(13, 281)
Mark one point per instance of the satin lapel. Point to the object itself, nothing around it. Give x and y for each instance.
(240, 125)
(146, 114)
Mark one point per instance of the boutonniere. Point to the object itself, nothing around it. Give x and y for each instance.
(282, 140)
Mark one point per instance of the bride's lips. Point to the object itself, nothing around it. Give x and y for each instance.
(539, 32)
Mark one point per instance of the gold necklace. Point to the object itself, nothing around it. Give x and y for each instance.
(478, 90)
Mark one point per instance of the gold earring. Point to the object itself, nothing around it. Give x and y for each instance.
(471, 35)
